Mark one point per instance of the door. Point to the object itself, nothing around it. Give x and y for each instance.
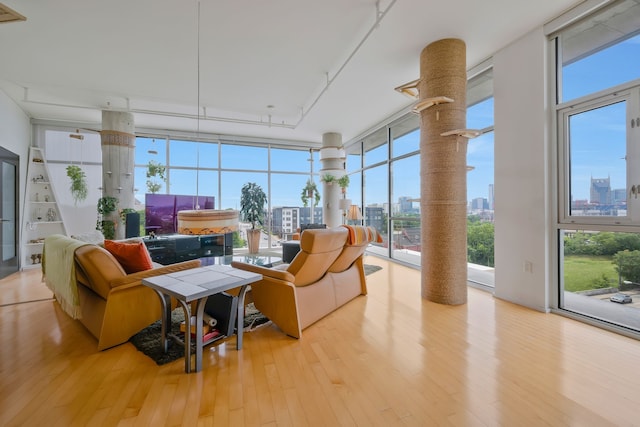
(9, 163)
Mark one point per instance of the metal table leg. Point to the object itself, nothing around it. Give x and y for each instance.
(165, 302)
(186, 308)
(240, 317)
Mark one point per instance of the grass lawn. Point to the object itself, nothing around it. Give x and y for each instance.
(583, 272)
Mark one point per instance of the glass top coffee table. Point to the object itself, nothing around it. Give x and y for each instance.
(267, 261)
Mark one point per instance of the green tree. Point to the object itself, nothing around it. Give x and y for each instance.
(480, 242)
(628, 265)
(578, 243)
(238, 242)
(603, 243)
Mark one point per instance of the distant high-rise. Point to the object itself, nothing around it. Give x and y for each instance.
(490, 200)
(406, 205)
(479, 203)
(600, 191)
(619, 196)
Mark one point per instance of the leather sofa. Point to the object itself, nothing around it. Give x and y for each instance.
(327, 273)
(113, 305)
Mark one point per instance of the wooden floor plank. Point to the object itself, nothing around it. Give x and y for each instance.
(389, 358)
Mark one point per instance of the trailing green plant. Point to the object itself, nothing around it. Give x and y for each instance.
(155, 171)
(124, 212)
(106, 205)
(310, 191)
(79, 190)
(108, 229)
(252, 201)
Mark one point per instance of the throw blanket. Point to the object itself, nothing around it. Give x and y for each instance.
(359, 234)
(58, 271)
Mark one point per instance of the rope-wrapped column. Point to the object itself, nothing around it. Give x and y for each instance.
(443, 175)
(118, 144)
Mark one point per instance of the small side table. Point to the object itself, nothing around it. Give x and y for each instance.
(197, 284)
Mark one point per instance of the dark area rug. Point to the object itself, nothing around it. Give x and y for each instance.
(368, 269)
(148, 340)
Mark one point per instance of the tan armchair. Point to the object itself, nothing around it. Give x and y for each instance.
(327, 273)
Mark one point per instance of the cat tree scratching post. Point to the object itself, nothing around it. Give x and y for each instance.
(443, 148)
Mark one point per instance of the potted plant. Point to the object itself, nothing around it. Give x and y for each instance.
(155, 170)
(252, 201)
(328, 178)
(343, 182)
(78, 187)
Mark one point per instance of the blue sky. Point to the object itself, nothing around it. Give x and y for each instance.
(598, 137)
(598, 148)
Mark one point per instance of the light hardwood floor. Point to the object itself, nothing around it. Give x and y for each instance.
(389, 358)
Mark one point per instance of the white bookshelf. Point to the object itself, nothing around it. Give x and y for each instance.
(41, 214)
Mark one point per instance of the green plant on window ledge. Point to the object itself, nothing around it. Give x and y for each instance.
(79, 190)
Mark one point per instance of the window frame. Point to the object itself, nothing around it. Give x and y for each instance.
(563, 113)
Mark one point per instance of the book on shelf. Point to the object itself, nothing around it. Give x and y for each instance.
(211, 335)
(206, 328)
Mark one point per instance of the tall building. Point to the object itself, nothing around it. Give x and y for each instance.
(491, 197)
(479, 203)
(285, 220)
(375, 217)
(620, 196)
(406, 205)
(600, 191)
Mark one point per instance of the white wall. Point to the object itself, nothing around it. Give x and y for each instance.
(15, 136)
(521, 140)
(78, 217)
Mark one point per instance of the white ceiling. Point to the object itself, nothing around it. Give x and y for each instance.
(324, 65)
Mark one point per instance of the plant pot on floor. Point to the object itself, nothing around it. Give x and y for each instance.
(253, 240)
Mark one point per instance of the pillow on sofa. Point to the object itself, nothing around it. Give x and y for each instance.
(132, 256)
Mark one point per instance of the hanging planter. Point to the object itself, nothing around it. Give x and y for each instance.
(310, 191)
(79, 189)
(155, 171)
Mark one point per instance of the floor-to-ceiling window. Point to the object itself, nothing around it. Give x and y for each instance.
(387, 162)
(405, 234)
(480, 183)
(598, 121)
(218, 169)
